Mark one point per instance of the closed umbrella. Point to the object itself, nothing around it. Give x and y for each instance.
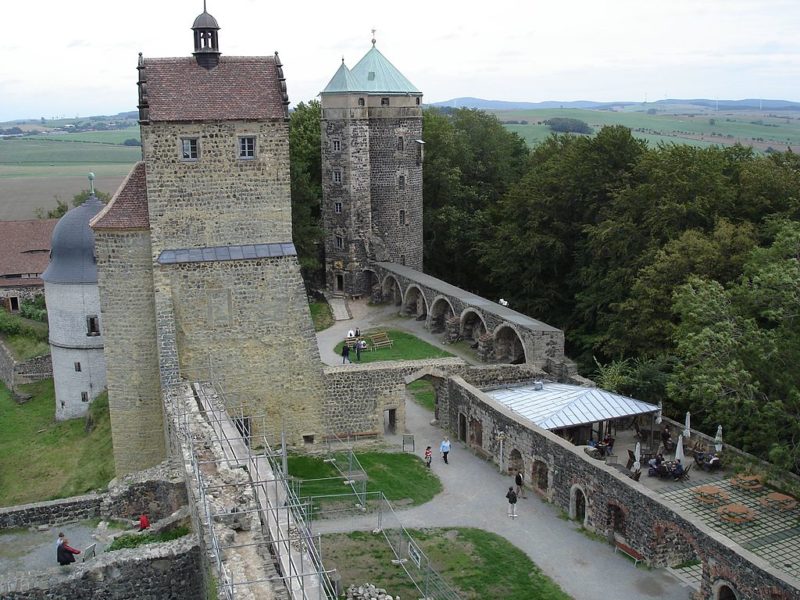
(679, 449)
(637, 454)
(687, 430)
(658, 414)
(718, 439)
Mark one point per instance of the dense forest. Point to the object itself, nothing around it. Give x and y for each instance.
(673, 270)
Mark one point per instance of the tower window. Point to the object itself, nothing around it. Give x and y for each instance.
(84, 396)
(92, 325)
(337, 208)
(384, 102)
(77, 367)
(400, 143)
(417, 100)
(339, 242)
(361, 102)
(247, 147)
(402, 217)
(337, 145)
(401, 182)
(189, 148)
(337, 176)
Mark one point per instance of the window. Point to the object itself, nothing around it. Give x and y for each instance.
(189, 148)
(337, 208)
(417, 100)
(402, 259)
(361, 102)
(384, 102)
(339, 242)
(401, 182)
(247, 147)
(337, 145)
(308, 439)
(92, 325)
(400, 143)
(419, 153)
(84, 396)
(402, 217)
(337, 176)
(77, 367)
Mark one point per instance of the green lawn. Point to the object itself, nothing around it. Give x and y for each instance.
(32, 151)
(113, 136)
(401, 477)
(406, 347)
(43, 459)
(321, 315)
(24, 337)
(423, 393)
(478, 564)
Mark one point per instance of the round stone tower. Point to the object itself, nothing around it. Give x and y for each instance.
(371, 172)
(73, 313)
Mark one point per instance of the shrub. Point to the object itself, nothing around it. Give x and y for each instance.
(566, 125)
(135, 540)
(34, 310)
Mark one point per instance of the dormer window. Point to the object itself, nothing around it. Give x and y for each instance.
(371, 76)
(247, 147)
(189, 148)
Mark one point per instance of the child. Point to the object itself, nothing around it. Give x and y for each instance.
(428, 456)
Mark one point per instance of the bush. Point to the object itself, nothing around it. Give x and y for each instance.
(131, 142)
(34, 310)
(135, 540)
(566, 125)
(13, 325)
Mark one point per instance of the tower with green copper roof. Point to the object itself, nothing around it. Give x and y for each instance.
(371, 172)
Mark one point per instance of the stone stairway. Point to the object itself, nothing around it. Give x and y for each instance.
(339, 308)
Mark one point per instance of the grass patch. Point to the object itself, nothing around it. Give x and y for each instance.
(478, 564)
(44, 459)
(423, 393)
(135, 540)
(24, 337)
(321, 315)
(401, 477)
(406, 347)
(24, 347)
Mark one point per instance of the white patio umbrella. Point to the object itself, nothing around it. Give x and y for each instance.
(658, 414)
(637, 454)
(687, 430)
(679, 449)
(718, 439)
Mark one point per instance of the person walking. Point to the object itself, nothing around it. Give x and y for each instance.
(428, 456)
(512, 503)
(358, 350)
(65, 554)
(445, 449)
(518, 482)
(346, 353)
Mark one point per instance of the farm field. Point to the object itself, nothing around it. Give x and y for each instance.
(677, 124)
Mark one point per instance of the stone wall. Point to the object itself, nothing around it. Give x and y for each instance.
(616, 506)
(170, 570)
(25, 293)
(51, 512)
(14, 373)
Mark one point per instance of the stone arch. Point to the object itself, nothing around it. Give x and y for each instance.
(673, 546)
(371, 285)
(508, 346)
(473, 325)
(437, 378)
(391, 290)
(515, 462)
(724, 590)
(441, 310)
(578, 504)
(617, 520)
(475, 432)
(414, 302)
(539, 477)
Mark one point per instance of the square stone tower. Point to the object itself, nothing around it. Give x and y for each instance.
(372, 152)
(199, 238)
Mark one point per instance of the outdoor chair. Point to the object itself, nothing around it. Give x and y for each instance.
(631, 459)
(685, 475)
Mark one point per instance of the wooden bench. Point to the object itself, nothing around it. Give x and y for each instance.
(380, 340)
(628, 551)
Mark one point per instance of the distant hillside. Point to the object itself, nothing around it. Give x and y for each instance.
(747, 104)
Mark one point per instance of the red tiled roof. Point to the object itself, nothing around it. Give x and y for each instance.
(128, 208)
(178, 89)
(24, 248)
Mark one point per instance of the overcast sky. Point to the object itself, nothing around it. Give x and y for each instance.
(78, 57)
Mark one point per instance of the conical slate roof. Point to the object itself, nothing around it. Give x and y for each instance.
(374, 73)
(72, 248)
(342, 82)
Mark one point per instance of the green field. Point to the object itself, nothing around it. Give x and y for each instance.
(405, 347)
(32, 151)
(114, 136)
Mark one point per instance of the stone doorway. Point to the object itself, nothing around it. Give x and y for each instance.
(462, 427)
(390, 421)
(476, 433)
(339, 282)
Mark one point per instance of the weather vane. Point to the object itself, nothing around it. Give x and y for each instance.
(373, 36)
(91, 182)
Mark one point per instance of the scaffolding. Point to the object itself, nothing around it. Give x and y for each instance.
(286, 546)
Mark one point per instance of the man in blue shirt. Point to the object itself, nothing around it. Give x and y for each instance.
(445, 449)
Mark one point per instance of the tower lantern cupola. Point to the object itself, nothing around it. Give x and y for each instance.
(206, 43)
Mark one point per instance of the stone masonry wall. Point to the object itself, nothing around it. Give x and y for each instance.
(660, 531)
(51, 512)
(14, 373)
(125, 280)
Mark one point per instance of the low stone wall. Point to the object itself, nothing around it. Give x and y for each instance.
(14, 373)
(52, 512)
(157, 571)
(612, 504)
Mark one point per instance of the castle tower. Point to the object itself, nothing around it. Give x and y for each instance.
(73, 312)
(200, 237)
(371, 172)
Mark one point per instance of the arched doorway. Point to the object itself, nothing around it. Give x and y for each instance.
(539, 476)
(577, 505)
(472, 327)
(616, 520)
(508, 347)
(441, 311)
(415, 304)
(371, 286)
(515, 462)
(475, 433)
(725, 592)
(391, 291)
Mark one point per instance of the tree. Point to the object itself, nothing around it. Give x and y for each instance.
(62, 207)
(567, 125)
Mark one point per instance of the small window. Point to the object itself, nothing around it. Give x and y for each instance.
(417, 100)
(337, 145)
(419, 154)
(189, 148)
(92, 325)
(361, 102)
(400, 143)
(402, 217)
(339, 242)
(84, 396)
(401, 182)
(247, 147)
(384, 102)
(77, 367)
(371, 76)
(402, 259)
(308, 439)
(337, 176)
(337, 208)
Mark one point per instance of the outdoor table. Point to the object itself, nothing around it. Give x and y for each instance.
(751, 483)
(711, 494)
(778, 501)
(737, 514)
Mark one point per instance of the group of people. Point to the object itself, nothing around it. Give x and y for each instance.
(444, 449)
(65, 554)
(514, 493)
(661, 468)
(359, 347)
